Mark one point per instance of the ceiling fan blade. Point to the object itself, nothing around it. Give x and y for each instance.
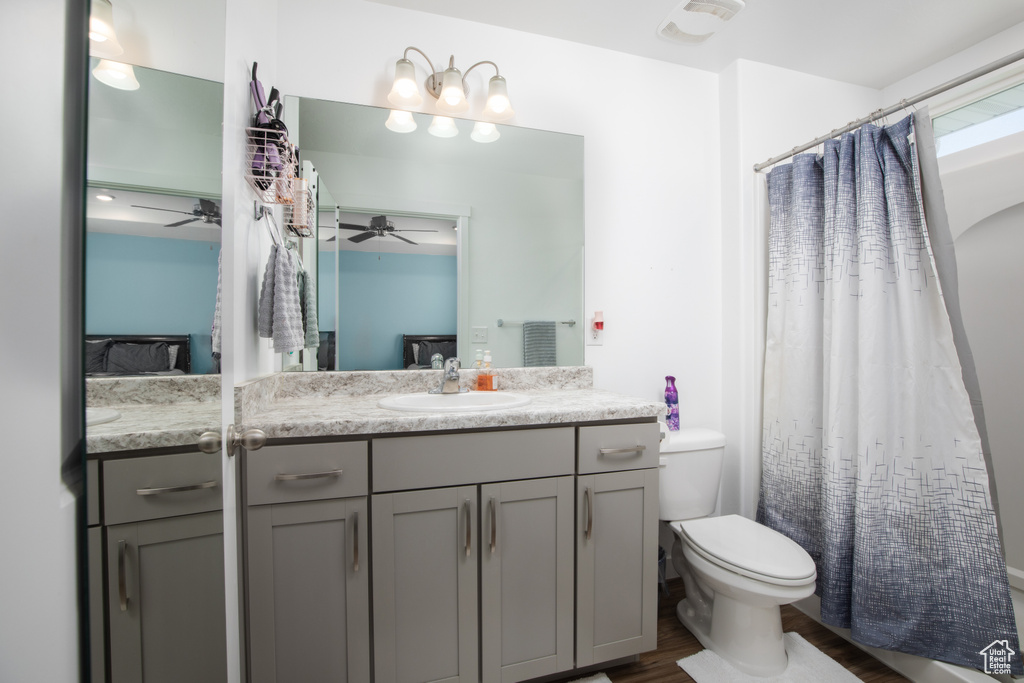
(333, 239)
(414, 230)
(157, 208)
(351, 226)
(362, 238)
(217, 221)
(179, 223)
(399, 237)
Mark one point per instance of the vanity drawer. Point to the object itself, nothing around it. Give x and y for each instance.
(421, 462)
(610, 448)
(285, 474)
(136, 489)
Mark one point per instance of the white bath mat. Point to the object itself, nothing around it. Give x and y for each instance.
(807, 664)
(596, 678)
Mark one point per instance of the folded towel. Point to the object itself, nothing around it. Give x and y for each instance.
(287, 318)
(215, 328)
(538, 343)
(265, 323)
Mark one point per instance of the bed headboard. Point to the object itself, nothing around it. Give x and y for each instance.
(409, 358)
(183, 342)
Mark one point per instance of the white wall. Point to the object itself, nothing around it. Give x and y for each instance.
(765, 111)
(651, 170)
(38, 628)
(989, 257)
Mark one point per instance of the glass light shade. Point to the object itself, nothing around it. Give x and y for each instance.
(484, 131)
(405, 92)
(102, 39)
(400, 121)
(453, 94)
(443, 127)
(116, 75)
(498, 107)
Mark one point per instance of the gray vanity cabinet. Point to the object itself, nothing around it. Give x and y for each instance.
(308, 569)
(165, 569)
(616, 542)
(425, 553)
(526, 578)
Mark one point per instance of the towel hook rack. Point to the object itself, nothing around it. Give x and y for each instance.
(502, 323)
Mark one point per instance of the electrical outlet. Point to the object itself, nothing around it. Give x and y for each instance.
(479, 335)
(593, 337)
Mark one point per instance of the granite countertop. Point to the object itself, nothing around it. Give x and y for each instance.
(298, 405)
(360, 415)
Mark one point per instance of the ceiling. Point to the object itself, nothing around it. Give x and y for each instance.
(873, 43)
(122, 216)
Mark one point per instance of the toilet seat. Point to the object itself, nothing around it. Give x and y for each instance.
(747, 548)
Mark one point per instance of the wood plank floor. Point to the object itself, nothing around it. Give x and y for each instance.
(675, 642)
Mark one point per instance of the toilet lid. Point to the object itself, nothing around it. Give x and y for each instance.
(745, 544)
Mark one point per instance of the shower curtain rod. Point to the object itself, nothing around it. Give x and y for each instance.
(902, 104)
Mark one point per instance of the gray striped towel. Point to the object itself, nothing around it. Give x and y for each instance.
(538, 343)
(288, 333)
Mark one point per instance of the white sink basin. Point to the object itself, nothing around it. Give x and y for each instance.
(98, 416)
(454, 403)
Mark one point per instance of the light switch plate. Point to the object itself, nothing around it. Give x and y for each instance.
(479, 335)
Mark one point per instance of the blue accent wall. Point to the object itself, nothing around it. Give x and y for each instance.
(383, 296)
(152, 285)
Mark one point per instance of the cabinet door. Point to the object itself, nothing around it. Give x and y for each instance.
(617, 573)
(425, 586)
(309, 616)
(166, 600)
(526, 570)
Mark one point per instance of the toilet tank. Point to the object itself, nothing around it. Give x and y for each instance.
(690, 473)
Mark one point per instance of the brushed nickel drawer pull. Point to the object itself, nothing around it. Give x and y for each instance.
(177, 489)
(122, 581)
(355, 541)
(623, 451)
(469, 528)
(310, 475)
(494, 526)
(588, 498)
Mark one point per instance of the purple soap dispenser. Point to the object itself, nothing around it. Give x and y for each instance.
(672, 403)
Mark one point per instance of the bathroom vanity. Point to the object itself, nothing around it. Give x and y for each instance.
(503, 545)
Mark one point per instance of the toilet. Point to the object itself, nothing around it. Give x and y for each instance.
(737, 573)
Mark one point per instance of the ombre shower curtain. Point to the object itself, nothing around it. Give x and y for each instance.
(872, 460)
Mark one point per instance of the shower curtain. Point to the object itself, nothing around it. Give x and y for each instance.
(872, 460)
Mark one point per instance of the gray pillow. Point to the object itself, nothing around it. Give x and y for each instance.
(447, 349)
(96, 355)
(135, 358)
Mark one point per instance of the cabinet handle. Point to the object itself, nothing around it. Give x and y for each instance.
(638, 449)
(469, 528)
(176, 489)
(588, 498)
(122, 580)
(494, 526)
(309, 475)
(355, 541)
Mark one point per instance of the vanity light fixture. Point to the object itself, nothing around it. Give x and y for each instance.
(449, 88)
(102, 38)
(116, 75)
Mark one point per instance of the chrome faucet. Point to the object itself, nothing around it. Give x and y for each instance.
(450, 379)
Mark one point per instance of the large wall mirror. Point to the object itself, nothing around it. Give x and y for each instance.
(443, 236)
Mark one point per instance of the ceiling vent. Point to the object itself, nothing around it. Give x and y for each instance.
(694, 21)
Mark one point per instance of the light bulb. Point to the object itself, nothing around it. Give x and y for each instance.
(484, 131)
(443, 127)
(400, 121)
(404, 92)
(453, 95)
(102, 39)
(498, 107)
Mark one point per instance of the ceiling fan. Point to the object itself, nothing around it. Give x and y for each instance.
(380, 226)
(206, 210)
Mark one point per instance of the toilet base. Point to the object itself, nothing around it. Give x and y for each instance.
(748, 638)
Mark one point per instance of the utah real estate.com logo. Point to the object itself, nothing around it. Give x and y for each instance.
(997, 657)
